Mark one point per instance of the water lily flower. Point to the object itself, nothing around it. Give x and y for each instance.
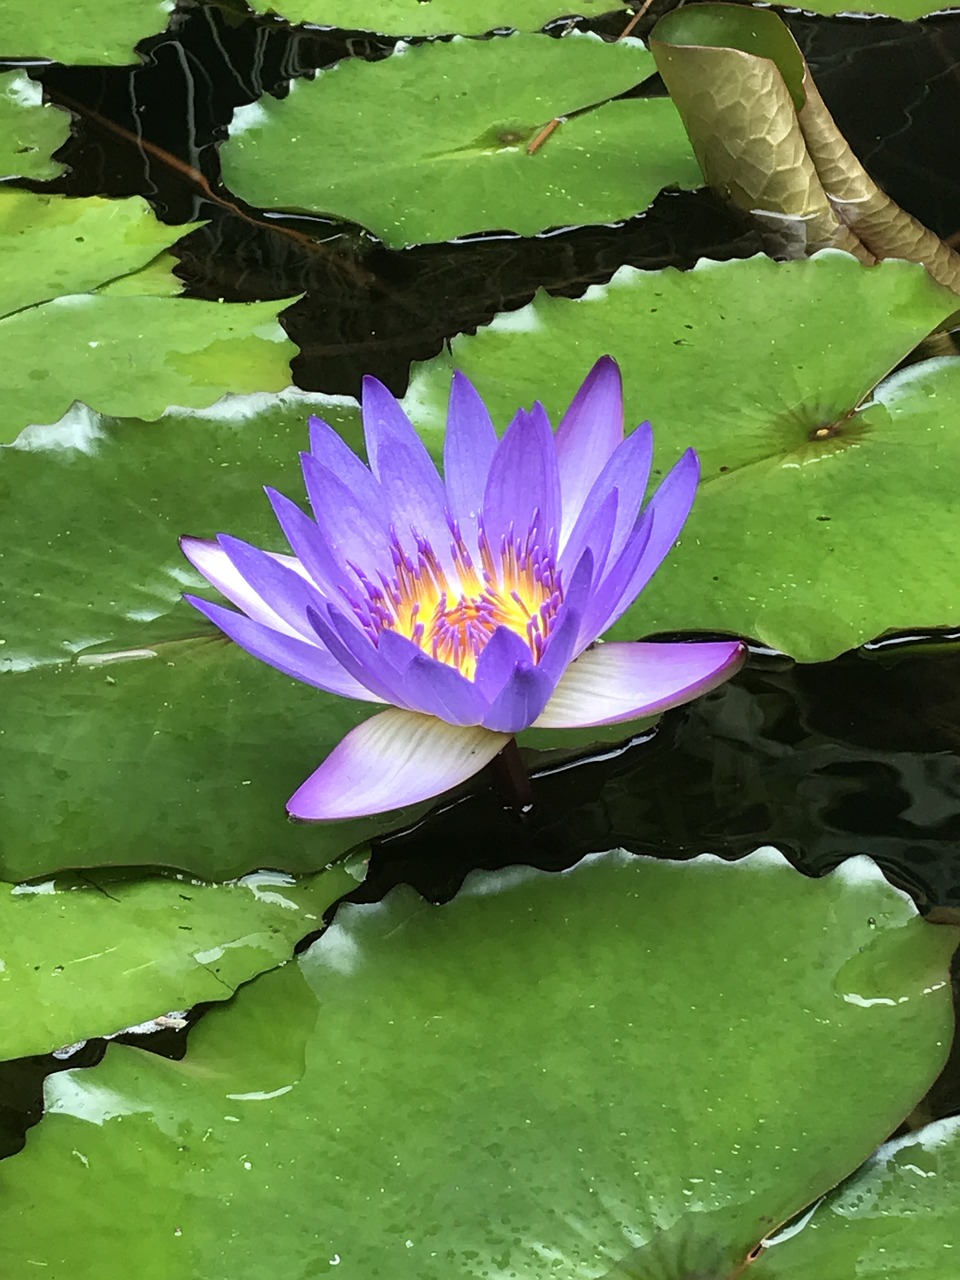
(469, 604)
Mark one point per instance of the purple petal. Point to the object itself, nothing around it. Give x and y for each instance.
(393, 759)
(308, 545)
(591, 430)
(524, 480)
(503, 653)
(662, 522)
(353, 524)
(310, 663)
(627, 471)
(561, 644)
(623, 681)
(413, 493)
(357, 653)
(594, 533)
(286, 593)
(209, 559)
(520, 701)
(611, 591)
(430, 686)
(331, 450)
(468, 450)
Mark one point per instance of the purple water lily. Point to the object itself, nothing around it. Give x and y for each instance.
(469, 604)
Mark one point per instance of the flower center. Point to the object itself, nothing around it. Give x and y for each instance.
(452, 614)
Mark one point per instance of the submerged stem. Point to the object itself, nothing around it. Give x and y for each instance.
(512, 777)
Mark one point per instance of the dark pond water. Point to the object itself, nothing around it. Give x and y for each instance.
(856, 756)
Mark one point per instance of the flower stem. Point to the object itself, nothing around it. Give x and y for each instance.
(512, 777)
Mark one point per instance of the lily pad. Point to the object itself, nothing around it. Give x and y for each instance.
(98, 32)
(130, 349)
(601, 1073)
(454, 158)
(827, 513)
(437, 18)
(133, 732)
(55, 245)
(899, 1215)
(905, 10)
(129, 356)
(30, 130)
(87, 956)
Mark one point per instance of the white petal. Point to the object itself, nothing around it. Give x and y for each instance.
(614, 682)
(391, 760)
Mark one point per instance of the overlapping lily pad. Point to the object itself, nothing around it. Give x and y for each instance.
(828, 512)
(522, 1081)
(133, 732)
(905, 10)
(453, 158)
(437, 18)
(132, 350)
(899, 1216)
(90, 955)
(30, 131)
(101, 32)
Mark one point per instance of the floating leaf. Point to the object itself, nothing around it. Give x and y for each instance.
(431, 143)
(133, 732)
(438, 18)
(54, 245)
(30, 131)
(131, 349)
(89, 956)
(101, 32)
(900, 1215)
(602, 1073)
(129, 356)
(826, 516)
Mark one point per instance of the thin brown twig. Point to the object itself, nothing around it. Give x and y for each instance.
(635, 19)
(544, 134)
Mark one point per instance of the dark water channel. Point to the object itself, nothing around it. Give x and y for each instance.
(857, 756)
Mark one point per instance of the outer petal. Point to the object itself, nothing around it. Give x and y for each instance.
(591, 430)
(622, 681)
(659, 526)
(393, 759)
(627, 472)
(412, 489)
(311, 663)
(468, 450)
(524, 480)
(357, 653)
(287, 593)
(209, 558)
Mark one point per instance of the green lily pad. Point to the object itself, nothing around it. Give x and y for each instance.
(827, 513)
(602, 1073)
(129, 349)
(437, 18)
(454, 158)
(900, 1215)
(55, 245)
(905, 10)
(129, 356)
(88, 956)
(133, 732)
(30, 130)
(98, 32)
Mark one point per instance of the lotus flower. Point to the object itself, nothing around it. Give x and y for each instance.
(469, 604)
